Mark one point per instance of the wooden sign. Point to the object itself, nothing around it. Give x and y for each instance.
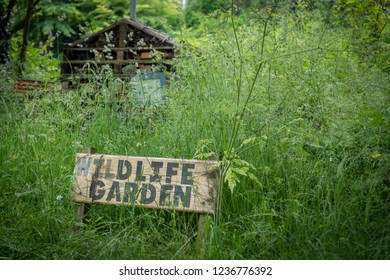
(185, 185)
(148, 89)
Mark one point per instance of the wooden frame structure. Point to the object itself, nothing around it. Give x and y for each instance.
(126, 46)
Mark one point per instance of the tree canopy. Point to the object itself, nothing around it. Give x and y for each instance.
(48, 24)
(68, 20)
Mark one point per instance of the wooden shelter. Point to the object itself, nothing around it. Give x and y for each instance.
(126, 46)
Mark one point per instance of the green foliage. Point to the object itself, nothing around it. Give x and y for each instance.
(98, 14)
(196, 10)
(297, 119)
(206, 7)
(301, 118)
(368, 24)
(369, 17)
(56, 16)
(40, 64)
(161, 15)
(233, 167)
(67, 21)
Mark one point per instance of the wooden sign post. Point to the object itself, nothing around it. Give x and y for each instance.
(163, 183)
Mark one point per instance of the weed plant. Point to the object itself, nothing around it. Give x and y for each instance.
(298, 121)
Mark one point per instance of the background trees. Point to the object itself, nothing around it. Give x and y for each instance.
(5, 34)
(291, 95)
(50, 23)
(40, 27)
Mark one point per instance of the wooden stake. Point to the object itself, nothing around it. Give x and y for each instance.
(122, 45)
(89, 150)
(202, 235)
(81, 208)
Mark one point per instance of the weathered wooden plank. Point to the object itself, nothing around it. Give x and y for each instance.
(146, 55)
(81, 75)
(127, 61)
(165, 183)
(28, 85)
(83, 49)
(120, 54)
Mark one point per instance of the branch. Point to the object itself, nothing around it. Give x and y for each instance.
(19, 25)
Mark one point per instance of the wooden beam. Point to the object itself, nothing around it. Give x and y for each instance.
(127, 61)
(120, 54)
(118, 49)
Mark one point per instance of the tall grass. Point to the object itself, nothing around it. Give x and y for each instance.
(311, 126)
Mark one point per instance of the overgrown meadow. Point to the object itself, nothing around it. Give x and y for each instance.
(295, 110)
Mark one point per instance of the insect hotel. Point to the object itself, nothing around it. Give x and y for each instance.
(134, 51)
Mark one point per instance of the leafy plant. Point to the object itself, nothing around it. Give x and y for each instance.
(297, 119)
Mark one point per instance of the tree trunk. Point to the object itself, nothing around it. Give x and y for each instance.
(5, 34)
(26, 29)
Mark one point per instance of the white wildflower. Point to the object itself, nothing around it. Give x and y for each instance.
(109, 36)
(141, 43)
(62, 17)
(130, 36)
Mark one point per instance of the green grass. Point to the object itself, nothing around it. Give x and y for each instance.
(315, 129)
